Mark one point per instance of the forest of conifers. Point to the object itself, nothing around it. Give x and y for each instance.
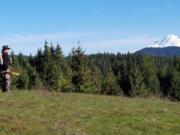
(103, 73)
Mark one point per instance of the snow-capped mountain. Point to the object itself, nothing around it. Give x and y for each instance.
(170, 40)
(168, 46)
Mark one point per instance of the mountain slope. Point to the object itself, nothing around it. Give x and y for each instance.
(166, 51)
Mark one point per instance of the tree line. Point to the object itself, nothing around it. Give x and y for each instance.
(102, 73)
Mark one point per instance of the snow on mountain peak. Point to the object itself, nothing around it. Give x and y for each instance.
(170, 40)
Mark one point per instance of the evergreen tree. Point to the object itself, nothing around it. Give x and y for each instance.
(110, 86)
(22, 82)
(150, 76)
(79, 68)
(51, 73)
(174, 91)
(95, 80)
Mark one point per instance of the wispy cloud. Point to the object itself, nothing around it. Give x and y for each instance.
(124, 45)
(93, 42)
(18, 39)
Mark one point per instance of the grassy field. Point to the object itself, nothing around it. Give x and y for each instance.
(44, 113)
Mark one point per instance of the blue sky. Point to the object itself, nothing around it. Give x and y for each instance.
(99, 25)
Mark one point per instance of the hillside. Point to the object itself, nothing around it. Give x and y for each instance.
(166, 51)
(45, 113)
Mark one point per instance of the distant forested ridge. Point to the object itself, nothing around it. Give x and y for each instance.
(107, 74)
(163, 51)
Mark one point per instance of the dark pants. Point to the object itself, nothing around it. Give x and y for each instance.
(6, 80)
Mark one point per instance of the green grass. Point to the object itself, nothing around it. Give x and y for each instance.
(44, 113)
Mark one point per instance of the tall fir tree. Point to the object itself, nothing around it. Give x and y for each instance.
(78, 65)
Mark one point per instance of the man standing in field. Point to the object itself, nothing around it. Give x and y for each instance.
(5, 69)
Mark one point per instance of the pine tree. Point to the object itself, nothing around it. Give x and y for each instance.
(110, 86)
(64, 69)
(50, 71)
(150, 76)
(95, 79)
(78, 65)
(174, 91)
(22, 82)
